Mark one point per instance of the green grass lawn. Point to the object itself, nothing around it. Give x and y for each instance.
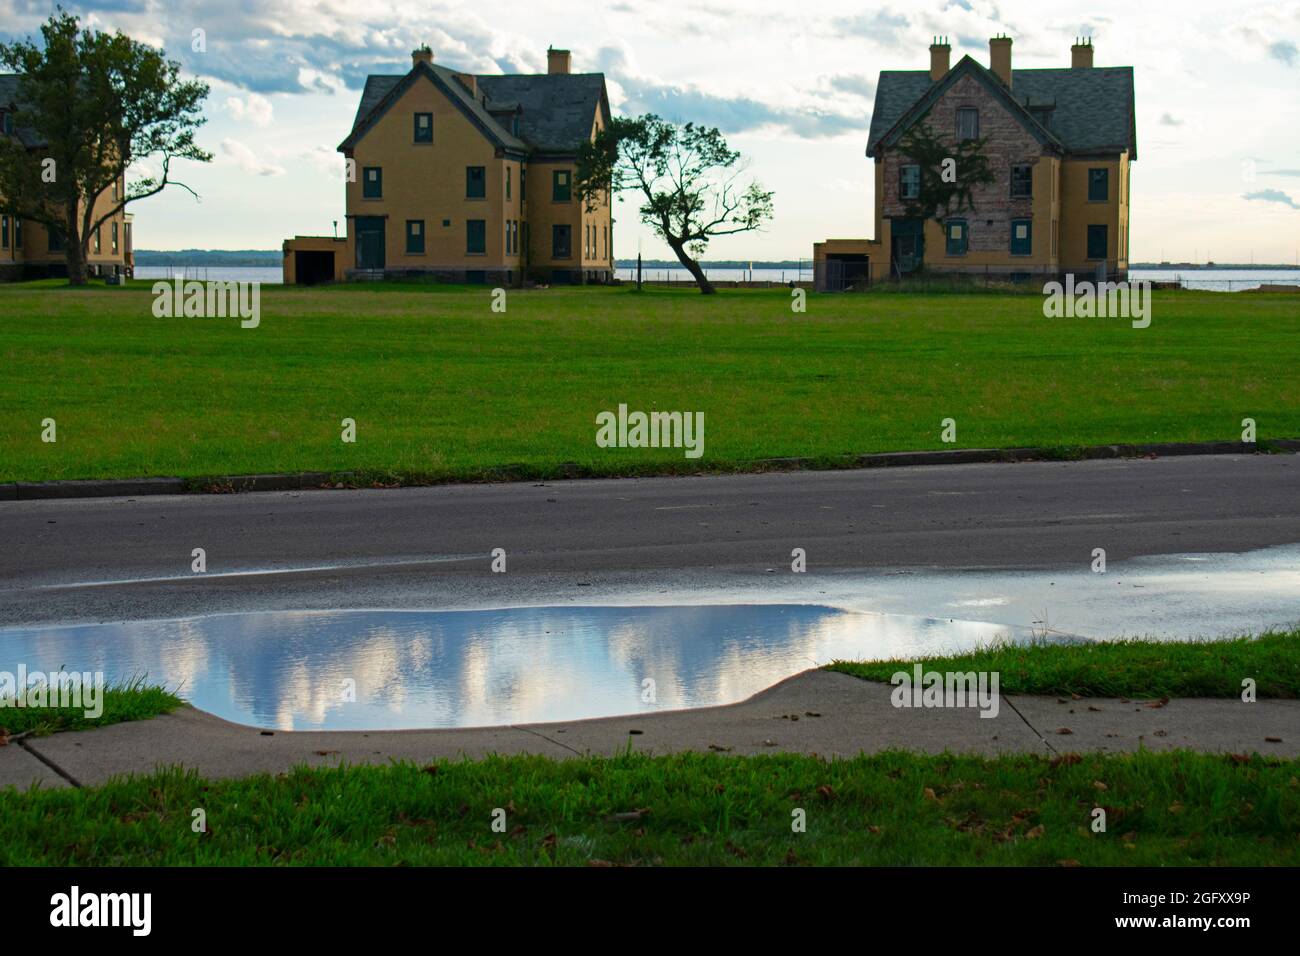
(890, 809)
(131, 700)
(1124, 668)
(441, 387)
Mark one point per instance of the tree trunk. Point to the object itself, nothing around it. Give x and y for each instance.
(76, 252)
(693, 267)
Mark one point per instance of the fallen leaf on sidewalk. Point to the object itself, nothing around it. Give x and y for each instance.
(1153, 704)
(1064, 730)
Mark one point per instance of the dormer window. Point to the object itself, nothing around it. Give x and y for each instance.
(6, 122)
(968, 123)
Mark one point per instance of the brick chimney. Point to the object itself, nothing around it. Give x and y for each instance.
(421, 54)
(558, 61)
(1081, 54)
(940, 52)
(1000, 58)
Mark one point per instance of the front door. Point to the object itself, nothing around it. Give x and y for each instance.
(370, 242)
(907, 250)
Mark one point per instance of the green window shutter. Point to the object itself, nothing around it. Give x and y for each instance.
(372, 182)
(957, 237)
(1097, 242)
(4, 232)
(476, 236)
(1022, 237)
(1098, 185)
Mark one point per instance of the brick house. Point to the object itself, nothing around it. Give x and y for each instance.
(1059, 143)
(28, 249)
(468, 178)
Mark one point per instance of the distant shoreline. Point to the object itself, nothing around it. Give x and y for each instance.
(272, 258)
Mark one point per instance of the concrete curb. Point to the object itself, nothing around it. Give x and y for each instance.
(967, 456)
(818, 713)
(297, 481)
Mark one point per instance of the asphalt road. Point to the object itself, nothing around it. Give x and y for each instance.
(118, 558)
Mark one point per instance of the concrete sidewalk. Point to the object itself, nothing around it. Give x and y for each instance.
(815, 712)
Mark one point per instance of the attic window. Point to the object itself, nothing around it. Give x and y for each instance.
(968, 123)
(6, 121)
(424, 127)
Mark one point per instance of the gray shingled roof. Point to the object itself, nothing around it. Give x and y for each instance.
(1094, 106)
(558, 109)
(9, 96)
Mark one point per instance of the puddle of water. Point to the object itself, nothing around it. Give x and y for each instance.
(1166, 597)
(719, 641)
(287, 670)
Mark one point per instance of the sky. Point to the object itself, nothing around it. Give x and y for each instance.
(791, 86)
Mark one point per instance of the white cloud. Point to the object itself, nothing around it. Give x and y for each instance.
(247, 160)
(325, 159)
(255, 108)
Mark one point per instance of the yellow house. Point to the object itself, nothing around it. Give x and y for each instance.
(1058, 142)
(468, 178)
(28, 250)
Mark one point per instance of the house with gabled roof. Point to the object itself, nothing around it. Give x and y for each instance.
(1058, 143)
(30, 249)
(468, 178)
